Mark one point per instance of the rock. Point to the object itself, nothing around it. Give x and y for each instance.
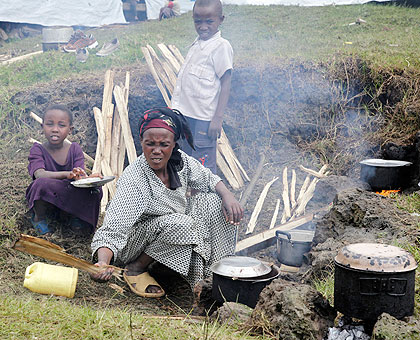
(292, 311)
(204, 304)
(387, 327)
(232, 313)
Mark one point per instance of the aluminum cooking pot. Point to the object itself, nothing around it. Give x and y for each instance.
(292, 245)
(383, 174)
(241, 287)
(371, 279)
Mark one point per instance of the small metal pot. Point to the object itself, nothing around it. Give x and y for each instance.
(292, 245)
(383, 174)
(53, 36)
(371, 279)
(242, 290)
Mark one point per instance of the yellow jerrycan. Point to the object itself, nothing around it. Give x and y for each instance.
(50, 279)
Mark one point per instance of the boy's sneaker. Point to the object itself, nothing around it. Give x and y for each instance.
(83, 42)
(74, 37)
(108, 48)
(82, 55)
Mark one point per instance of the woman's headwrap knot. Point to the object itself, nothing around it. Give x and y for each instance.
(174, 121)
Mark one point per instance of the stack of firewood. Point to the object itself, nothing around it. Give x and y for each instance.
(114, 134)
(293, 207)
(164, 72)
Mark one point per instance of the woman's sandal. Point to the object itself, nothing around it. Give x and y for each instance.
(41, 226)
(143, 281)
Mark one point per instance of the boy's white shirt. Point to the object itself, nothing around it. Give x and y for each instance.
(197, 89)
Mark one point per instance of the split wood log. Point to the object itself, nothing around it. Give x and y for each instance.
(108, 112)
(303, 189)
(125, 124)
(149, 62)
(3, 34)
(224, 167)
(268, 237)
(170, 57)
(253, 220)
(121, 155)
(177, 53)
(50, 251)
(234, 170)
(160, 70)
(276, 212)
(300, 209)
(89, 160)
(22, 57)
(285, 195)
(293, 189)
(106, 170)
(100, 129)
(115, 143)
(312, 172)
(254, 180)
(233, 160)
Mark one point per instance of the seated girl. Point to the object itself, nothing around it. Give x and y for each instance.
(53, 165)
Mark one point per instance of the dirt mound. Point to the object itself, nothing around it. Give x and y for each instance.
(357, 216)
(289, 310)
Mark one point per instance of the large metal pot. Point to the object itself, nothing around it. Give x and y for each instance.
(383, 174)
(292, 245)
(371, 279)
(241, 279)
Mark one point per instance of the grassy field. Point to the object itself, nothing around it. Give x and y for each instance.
(260, 36)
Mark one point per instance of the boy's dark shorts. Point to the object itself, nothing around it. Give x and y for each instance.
(205, 147)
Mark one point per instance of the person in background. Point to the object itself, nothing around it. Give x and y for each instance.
(150, 219)
(203, 85)
(171, 9)
(52, 165)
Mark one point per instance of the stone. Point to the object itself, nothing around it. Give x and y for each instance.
(292, 311)
(387, 327)
(232, 313)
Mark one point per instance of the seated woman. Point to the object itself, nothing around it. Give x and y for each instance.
(150, 218)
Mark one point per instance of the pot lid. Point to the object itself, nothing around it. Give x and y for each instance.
(386, 163)
(376, 257)
(240, 267)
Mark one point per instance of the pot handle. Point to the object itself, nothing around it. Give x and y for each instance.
(280, 232)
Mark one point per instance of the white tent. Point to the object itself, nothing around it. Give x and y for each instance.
(297, 2)
(63, 12)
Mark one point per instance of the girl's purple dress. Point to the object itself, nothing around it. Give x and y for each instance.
(83, 203)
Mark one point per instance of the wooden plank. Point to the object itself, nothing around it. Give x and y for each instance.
(224, 167)
(149, 62)
(176, 53)
(258, 207)
(22, 57)
(125, 124)
(285, 195)
(275, 214)
(159, 68)
(168, 55)
(268, 237)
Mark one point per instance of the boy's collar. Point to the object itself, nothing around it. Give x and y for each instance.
(204, 43)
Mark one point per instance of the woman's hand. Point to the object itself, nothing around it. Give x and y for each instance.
(104, 275)
(232, 210)
(77, 173)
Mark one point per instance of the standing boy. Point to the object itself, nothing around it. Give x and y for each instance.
(203, 85)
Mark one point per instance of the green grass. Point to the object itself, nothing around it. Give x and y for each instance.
(54, 318)
(258, 34)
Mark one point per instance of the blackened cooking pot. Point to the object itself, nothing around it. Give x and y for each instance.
(371, 279)
(244, 290)
(383, 174)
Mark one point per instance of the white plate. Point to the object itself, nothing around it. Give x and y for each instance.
(384, 163)
(92, 182)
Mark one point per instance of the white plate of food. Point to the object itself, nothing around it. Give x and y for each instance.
(92, 182)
